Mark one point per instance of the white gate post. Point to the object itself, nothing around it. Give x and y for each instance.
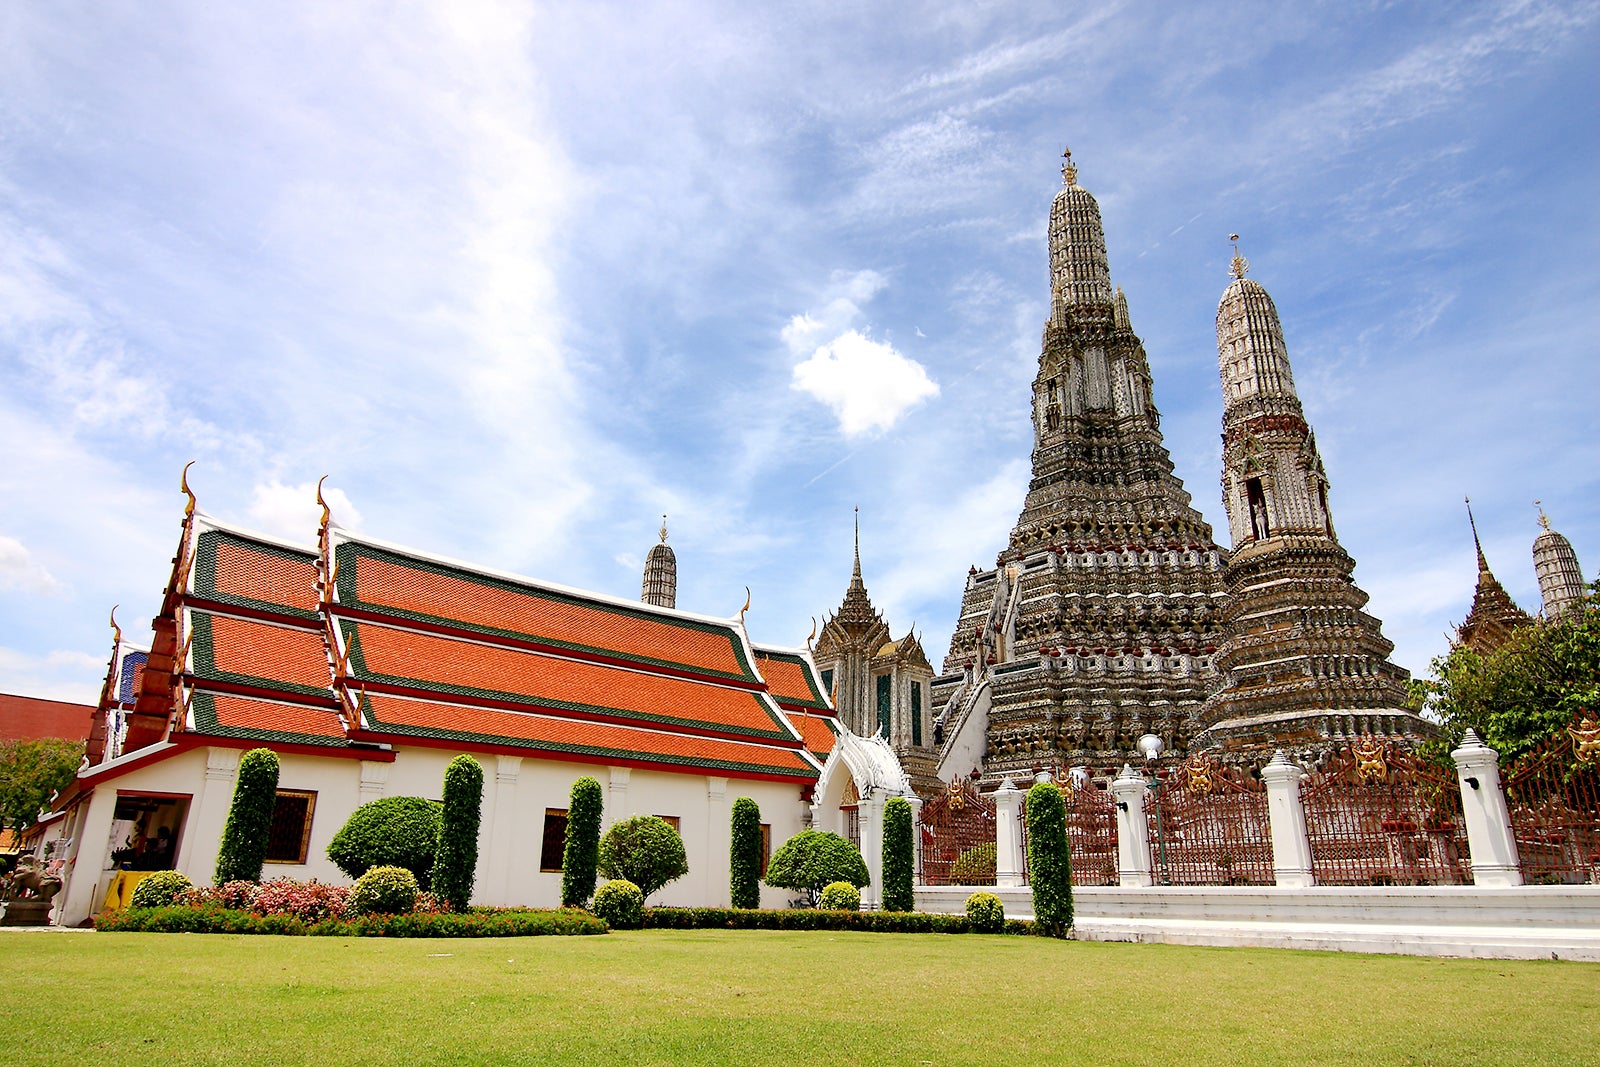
(1008, 835)
(1291, 851)
(1133, 828)
(1490, 839)
(871, 814)
(916, 842)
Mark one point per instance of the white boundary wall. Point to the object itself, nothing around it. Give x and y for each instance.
(1508, 922)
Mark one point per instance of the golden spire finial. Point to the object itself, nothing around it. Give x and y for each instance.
(1544, 520)
(663, 529)
(1239, 265)
(1069, 172)
(183, 484)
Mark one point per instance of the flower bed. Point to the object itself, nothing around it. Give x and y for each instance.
(883, 922)
(483, 922)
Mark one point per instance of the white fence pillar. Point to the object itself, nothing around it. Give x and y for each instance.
(1133, 828)
(1291, 850)
(1008, 835)
(1490, 839)
(870, 813)
(916, 841)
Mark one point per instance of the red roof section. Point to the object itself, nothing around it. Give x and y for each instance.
(29, 718)
(790, 681)
(376, 578)
(604, 741)
(231, 649)
(818, 732)
(235, 570)
(237, 716)
(465, 668)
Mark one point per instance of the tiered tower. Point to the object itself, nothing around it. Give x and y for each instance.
(879, 685)
(1303, 666)
(1494, 614)
(1556, 564)
(1099, 621)
(661, 573)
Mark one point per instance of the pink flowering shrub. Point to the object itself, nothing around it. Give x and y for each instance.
(310, 902)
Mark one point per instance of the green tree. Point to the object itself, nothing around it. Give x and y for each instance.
(644, 850)
(1523, 691)
(580, 856)
(1049, 859)
(389, 832)
(244, 835)
(455, 866)
(899, 856)
(811, 859)
(744, 876)
(31, 772)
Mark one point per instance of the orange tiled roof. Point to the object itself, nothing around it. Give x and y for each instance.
(819, 732)
(790, 680)
(226, 715)
(259, 654)
(603, 741)
(434, 664)
(380, 579)
(238, 571)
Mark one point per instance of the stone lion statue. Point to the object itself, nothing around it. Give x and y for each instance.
(31, 881)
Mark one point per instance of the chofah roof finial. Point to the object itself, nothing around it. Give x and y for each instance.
(183, 484)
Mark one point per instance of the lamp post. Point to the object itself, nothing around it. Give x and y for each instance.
(1152, 746)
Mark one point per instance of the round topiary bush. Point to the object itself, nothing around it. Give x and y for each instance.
(384, 891)
(985, 913)
(620, 904)
(840, 896)
(389, 832)
(160, 889)
(813, 858)
(644, 850)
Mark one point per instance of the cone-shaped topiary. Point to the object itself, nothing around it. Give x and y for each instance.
(644, 850)
(244, 836)
(744, 875)
(389, 832)
(455, 867)
(1049, 860)
(811, 859)
(899, 856)
(620, 904)
(581, 855)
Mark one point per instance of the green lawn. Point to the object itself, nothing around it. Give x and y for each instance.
(760, 997)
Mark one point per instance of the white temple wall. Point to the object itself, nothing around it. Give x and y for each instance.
(517, 792)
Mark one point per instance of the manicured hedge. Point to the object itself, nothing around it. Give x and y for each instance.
(744, 875)
(244, 836)
(899, 856)
(1049, 859)
(455, 866)
(884, 922)
(505, 922)
(580, 856)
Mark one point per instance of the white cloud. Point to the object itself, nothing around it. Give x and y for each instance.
(57, 675)
(291, 511)
(19, 570)
(867, 383)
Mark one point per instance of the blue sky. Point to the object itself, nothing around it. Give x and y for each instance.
(520, 278)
